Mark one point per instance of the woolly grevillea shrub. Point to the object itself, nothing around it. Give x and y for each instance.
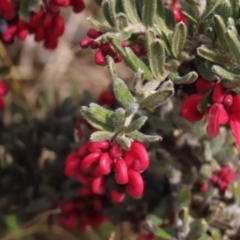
(159, 152)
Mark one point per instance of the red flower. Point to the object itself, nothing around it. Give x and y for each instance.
(94, 161)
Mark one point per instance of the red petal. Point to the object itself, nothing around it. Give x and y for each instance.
(203, 86)
(213, 120)
(236, 103)
(234, 123)
(218, 93)
(189, 108)
(223, 115)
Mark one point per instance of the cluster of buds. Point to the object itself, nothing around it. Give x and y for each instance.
(83, 211)
(177, 12)
(221, 180)
(3, 92)
(95, 162)
(47, 24)
(224, 108)
(105, 49)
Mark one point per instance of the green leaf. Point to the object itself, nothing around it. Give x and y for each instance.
(108, 8)
(119, 118)
(220, 28)
(213, 55)
(24, 12)
(158, 98)
(189, 17)
(233, 42)
(122, 21)
(101, 136)
(102, 114)
(206, 102)
(130, 9)
(124, 142)
(135, 63)
(118, 36)
(211, 5)
(120, 89)
(119, 6)
(88, 115)
(100, 26)
(149, 12)
(197, 229)
(205, 172)
(224, 74)
(131, 110)
(178, 39)
(138, 82)
(136, 125)
(138, 136)
(157, 58)
(188, 78)
(204, 71)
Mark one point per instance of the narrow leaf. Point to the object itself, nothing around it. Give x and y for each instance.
(211, 5)
(102, 114)
(197, 229)
(158, 98)
(101, 136)
(149, 12)
(138, 136)
(124, 142)
(233, 42)
(100, 26)
(136, 125)
(188, 78)
(224, 74)
(138, 82)
(213, 55)
(122, 21)
(220, 28)
(131, 110)
(130, 9)
(86, 113)
(157, 58)
(135, 63)
(108, 8)
(204, 71)
(119, 118)
(178, 39)
(121, 91)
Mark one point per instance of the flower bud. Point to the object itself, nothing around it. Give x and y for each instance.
(135, 184)
(121, 171)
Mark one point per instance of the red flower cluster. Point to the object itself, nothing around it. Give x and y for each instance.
(224, 108)
(220, 180)
(104, 49)
(47, 24)
(94, 162)
(83, 211)
(177, 12)
(3, 92)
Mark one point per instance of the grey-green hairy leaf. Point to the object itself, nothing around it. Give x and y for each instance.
(188, 78)
(138, 82)
(124, 142)
(130, 9)
(100, 26)
(136, 125)
(101, 136)
(119, 118)
(178, 39)
(158, 98)
(138, 136)
(131, 110)
(149, 12)
(121, 21)
(220, 28)
(108, 8)
(102, 114)
(213, 55)
(233, 42)
(224, 74)
(87, 115)
(157, 58)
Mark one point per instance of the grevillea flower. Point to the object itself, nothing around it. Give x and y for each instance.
(94, 162)
(224, 109)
